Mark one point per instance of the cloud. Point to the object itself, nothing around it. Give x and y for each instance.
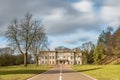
(74, 41)
(39, 8)
(82, 20)
(111, 3)
(60, 17)
(83, 6)
(60, 21)
(78, 37)
(110, 13)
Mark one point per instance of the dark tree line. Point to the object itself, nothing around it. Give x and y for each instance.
(8, 58)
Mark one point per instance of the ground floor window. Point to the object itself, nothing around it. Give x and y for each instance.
(68, 62)
(50, 57)
(53, 62)
(42, 62)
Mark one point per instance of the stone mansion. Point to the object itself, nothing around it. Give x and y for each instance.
(61, 56)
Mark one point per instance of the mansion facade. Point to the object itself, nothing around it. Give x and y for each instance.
(61, 56)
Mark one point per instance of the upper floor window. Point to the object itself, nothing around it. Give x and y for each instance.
(42, 57)
(50, 57)
(45, 57)
(57, 57)
(53, 57)
(71, 57)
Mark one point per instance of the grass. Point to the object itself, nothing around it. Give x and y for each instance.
(100, 72)
(20, 72)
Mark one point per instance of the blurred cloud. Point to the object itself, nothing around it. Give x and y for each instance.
(81, 18)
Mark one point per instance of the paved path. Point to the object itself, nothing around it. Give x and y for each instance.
(61, 72)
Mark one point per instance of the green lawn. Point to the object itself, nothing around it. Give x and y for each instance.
(20, 72)
(103, 72)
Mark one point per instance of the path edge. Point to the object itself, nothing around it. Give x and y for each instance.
(87, 75)
(83, 74)
(39, 74)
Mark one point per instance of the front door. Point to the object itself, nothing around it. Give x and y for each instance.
(61, 62)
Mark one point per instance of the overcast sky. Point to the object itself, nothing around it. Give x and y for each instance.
(68, 23)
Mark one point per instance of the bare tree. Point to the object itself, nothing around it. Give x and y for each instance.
(23, 33)
(39, 44)
(87, 50)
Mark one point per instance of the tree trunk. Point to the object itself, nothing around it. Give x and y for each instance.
(36, 61)
(117, 59)
(25, 59)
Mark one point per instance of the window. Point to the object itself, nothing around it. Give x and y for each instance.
(53, 62)
(71, 62)
(78, 62)
(45, 57)
(68, 62)
(42, 57)
(57, 57)
(71, 57)
(42, 62)
(50, 57)
(53, 57)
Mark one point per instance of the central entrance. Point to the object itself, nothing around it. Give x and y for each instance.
(62, 62)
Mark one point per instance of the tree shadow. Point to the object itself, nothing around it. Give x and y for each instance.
(3, 72)
(70, 71)
(58, 71)
(38, 71)
(89, 69)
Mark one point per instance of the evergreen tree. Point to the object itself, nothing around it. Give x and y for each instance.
(109, 41)
(106, 40)
(99, 54)
(102, 38)
(116, 43)
(116, 39)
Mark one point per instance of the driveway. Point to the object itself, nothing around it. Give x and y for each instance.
(61, 72)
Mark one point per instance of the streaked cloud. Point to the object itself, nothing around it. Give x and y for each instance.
(67, 22)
